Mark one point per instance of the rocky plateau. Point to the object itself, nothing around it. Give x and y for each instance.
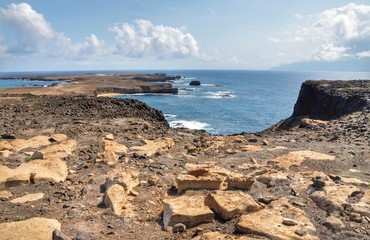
(77, 166)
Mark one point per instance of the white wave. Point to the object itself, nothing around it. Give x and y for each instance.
(217, 95)
(211, 85)
(167, 116)
(189, 124)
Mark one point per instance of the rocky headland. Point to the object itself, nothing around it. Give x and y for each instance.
(76, 166)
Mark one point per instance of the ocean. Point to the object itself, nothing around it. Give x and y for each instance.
(227, 101)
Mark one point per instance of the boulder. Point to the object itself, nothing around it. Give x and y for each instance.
(34, 228)
(58, 235)
(28, 198)
(115, 198)
(271, 223)
(35, 170)
(194, 83)
(189, 210)
(251, 148)
(231, 204)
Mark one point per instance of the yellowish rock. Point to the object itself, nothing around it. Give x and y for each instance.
(111, 149)
(333, 197)
(127, 178)
(34, 228)
(5, 195)
(58, 137)
(251, 148)
(115, 198)
(185, 182)
(60, 150)
(37, 170)
(189, 210)
(269, 222)
(231, 204)
(34, 142)
(297, 157)
(4, 145)
(153, 146)
(28, 198)
(5, 153)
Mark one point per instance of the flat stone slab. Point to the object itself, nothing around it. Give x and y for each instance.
(34, 142)
(60, 150)
(279, 220)
(153, 146)
(34, 228)
(28, 198)
(36, 170)
(58, 137)
(231, 204)
(190, 211)
(297, 157)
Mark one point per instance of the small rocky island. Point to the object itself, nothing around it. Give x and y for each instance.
(75, 166)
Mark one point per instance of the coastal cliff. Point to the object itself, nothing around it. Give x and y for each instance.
(327, 100)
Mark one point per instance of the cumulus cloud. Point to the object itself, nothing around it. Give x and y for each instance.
(335, 34)
(30, 27)
(146, 39)
(35, 35)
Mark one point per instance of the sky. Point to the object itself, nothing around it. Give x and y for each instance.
(39, 35)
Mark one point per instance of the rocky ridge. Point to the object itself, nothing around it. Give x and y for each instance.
(82, 167)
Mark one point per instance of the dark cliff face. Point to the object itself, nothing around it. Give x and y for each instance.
(327, 100)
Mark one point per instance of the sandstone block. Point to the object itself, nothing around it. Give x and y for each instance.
(5, 195)
(190, 211)
(185, 182)
(60, 150)
(34, 142)
(58, 137)
(153, 146)
(269, 222)
(28, 198)
(115, 198)
(231, 204)
(34, 228)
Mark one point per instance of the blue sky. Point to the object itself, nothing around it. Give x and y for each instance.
(171, 34)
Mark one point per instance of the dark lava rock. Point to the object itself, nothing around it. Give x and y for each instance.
(318, 182)
(194, 83)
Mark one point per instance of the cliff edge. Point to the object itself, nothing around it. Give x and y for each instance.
(327, 100)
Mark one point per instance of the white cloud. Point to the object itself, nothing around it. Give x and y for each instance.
(363, 54)
(35, 35)
(145, 39)
(335, 34)
(30, 27)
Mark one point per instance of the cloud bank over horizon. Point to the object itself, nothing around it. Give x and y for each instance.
(28, 39)
(335, 34)
(34, 35)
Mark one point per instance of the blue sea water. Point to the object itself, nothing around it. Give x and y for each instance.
(230, 101)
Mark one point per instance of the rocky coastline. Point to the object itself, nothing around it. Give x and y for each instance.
(77, 166)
